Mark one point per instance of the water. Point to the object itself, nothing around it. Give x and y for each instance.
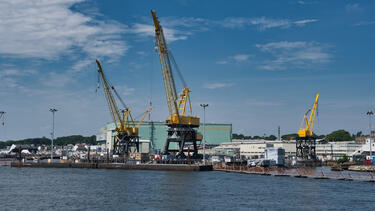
(100, 189)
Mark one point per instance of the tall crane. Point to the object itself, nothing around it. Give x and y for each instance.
(181, 122)
(127, 131)
(305, 143)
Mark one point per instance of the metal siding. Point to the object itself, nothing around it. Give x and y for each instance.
(215, 133)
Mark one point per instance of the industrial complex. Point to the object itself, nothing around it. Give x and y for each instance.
(153, 135)
(186, 139)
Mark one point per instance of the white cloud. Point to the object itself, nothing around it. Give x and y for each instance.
(50, 29)
(180, 28)
(124, 90)
(353, 8)
(364, 23)
(11, 78)
(217, 85)
(222, 62)
(238, 58)
(294, 54)
(241, 57)
(262, 103)
(303, 22)
(306, 2)
(149, 30)
(262, 23)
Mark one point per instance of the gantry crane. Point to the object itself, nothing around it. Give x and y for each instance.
(181, 122)
(305, 143)
(126, 129)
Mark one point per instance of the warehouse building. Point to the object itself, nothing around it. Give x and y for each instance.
(337, 150)
(153, 135)
(252, 149)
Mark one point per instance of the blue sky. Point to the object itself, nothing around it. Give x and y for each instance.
(258, 64)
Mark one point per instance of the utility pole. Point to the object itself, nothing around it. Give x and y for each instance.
(2, 116)
(204, 132)
(53, 110)
(370, 113)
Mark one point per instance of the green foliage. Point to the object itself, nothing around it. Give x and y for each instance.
(343, 159)
(75, 139)
(271, 137)
(339, 135)
(292, 136)
(60, 141)
(358, 134)
(241, 136)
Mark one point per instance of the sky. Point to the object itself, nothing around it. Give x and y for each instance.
(258, 64)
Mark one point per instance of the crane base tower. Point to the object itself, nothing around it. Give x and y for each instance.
(182, 135)
(305, 149)
(123, 144)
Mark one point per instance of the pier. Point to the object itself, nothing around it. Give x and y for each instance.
(299, 173)
(164, 167)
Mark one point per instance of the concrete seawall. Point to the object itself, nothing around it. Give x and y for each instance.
(362, 168)
(165, 167)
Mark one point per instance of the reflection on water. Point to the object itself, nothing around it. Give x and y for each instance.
(99, 189)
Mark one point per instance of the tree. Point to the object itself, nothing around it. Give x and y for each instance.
(339, 135)
(60, 141)
(358, 134)
(343, 159)
(271, 137)
(292, 136)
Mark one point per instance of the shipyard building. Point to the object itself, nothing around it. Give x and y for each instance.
(153, 135)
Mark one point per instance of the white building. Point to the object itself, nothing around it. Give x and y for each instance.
(254, 149)
(336, 150)
(275, 153)
(366, 148)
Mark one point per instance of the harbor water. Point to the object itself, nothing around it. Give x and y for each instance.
(101, 189)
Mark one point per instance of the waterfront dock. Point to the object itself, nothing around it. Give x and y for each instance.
(164, 167)
(299, 173)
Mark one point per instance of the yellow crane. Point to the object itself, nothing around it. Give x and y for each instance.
(127, 131)
(307, 125)
(305, 143)
(180, 122)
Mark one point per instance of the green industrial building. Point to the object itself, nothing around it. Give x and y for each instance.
(153, 135)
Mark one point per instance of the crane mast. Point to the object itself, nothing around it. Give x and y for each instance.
(180, 123)
(305, 143)
(127, 132)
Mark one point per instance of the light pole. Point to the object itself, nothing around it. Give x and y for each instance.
(370, 113)
(2, 116)
(2, 113)
(53, 110)
(204, 132)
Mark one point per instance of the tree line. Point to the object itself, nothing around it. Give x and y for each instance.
(338, 135)
(60, 141)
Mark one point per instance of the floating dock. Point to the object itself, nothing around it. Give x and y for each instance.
(164, 167)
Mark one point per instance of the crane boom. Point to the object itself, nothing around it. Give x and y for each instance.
(127, 131)
(169, 84)
(181, 125)
(307, 125)
(177, 104)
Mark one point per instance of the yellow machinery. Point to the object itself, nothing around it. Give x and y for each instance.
(307, 125)
(181, 122)
(126, 129)
(305, 143)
